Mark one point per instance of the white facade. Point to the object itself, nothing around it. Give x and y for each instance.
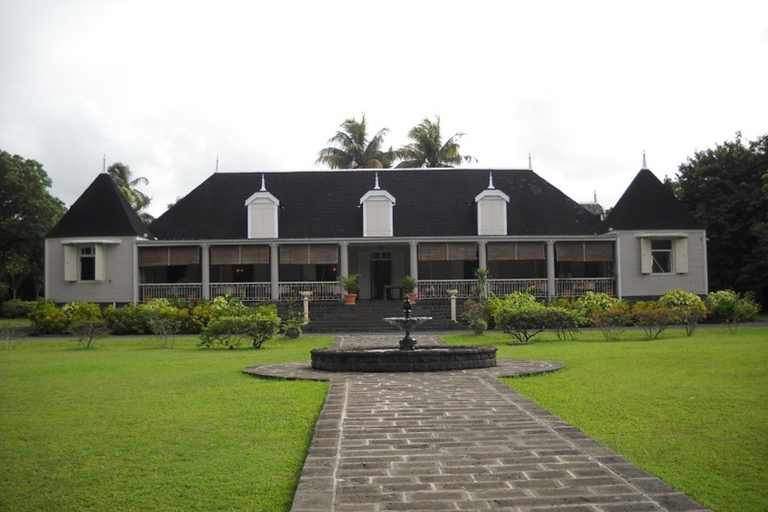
(112, 278)
(686, 269)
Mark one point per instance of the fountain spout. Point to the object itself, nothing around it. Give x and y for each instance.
(406, 323)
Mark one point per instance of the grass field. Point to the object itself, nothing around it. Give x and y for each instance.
(693, 411)
(127, 426)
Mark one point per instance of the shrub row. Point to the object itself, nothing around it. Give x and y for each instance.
(522, 316)
(222, 322)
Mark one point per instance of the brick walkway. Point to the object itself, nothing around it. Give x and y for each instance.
(459, 441)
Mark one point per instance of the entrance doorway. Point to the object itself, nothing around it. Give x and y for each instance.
(381, 276)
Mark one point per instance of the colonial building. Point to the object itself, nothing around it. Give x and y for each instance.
(269, 236)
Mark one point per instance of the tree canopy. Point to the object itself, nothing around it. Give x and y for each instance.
(127, 184)
(352, 149)
(27, 212)
(427, 148)
(726, 188)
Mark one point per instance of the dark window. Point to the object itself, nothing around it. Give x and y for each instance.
(661, 253)
(87, 264)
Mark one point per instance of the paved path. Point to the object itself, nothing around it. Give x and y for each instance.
(460, 441)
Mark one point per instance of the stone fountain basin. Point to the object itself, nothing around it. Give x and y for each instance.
(388, 359)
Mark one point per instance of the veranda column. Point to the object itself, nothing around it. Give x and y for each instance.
(344, 260)
(205, 263)
(617, 259)
(550, 268)
(413, 262)
(274, 272)
(482, 253)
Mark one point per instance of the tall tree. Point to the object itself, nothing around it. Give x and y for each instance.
(127, 184)
(27, 213)
(725, 188)
(350, 148)
(428, 148)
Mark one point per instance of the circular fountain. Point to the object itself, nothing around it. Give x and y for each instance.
(406, 358)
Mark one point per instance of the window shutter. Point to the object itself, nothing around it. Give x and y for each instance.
(502, 251)
(530, 251)
(681, 255)
(646, 259)
(153, 256)
(184, 256)
(100, 263)
(70, 262)
(570, 251)
(598, 251)
(323, 254)
(254, 254)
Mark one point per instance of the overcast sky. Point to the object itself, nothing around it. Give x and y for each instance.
(584, 87)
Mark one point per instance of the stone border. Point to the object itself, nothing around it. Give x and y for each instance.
(302, 370)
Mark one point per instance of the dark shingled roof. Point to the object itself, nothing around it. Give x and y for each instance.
(649, 204)
(102, 210)
(326, 204)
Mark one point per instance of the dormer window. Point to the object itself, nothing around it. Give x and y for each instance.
(262, 213)
(378, 216)
(491, 210)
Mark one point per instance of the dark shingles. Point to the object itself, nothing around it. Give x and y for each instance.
(326, 204)
(102, 210)
(649, 204)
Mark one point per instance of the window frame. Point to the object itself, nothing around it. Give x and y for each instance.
(678, 254)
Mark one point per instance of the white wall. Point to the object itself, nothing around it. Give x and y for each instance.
(119, 272)
(634, 283)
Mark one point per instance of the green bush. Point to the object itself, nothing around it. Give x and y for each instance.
(613, 320)
(47, 318)
(128, 319)
(729, 307)
(258, 326)
(565, 322)
(685, 308)
(653, 317)
(520, 315)
(592, 305)
(15, 308)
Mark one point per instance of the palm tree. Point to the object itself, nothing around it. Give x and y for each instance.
(427, 148)
(123, 177)
(351, 149)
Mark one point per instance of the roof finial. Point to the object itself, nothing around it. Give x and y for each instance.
(594, 194)
(104, 163)
(490, 181)
(217, 163)
(376, 183)
(263, 184)
(645, 166)
(530, 165)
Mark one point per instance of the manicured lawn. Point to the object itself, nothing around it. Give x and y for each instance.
(127, 426)
(693, 411)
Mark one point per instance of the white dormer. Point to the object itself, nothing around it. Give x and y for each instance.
(378, 218)
(262, 213)
(491, 210)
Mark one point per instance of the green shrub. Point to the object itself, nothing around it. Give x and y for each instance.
(653, 317)
(591, 305)
(565, 322)
(258, 326)
(128, 319)
(685, 308)
(613, 320)
(520, 315)
(47, 318)
(477, 313)
(166, 319)
(15, 308)
(729, 307)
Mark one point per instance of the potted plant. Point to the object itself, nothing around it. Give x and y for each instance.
(409, 286)
(351, 286)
